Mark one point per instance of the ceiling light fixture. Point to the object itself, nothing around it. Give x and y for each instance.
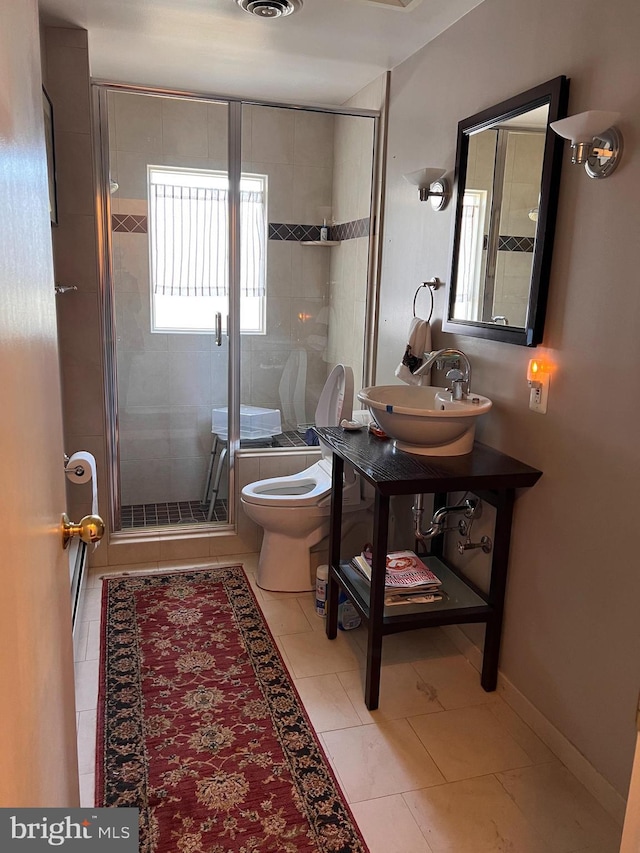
(270, 8)
(595, 142)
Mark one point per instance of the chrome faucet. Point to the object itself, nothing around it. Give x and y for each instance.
(460, 380)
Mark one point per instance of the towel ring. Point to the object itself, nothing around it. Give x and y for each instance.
(433, 284)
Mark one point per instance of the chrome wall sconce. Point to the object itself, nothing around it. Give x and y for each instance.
(595, 141)
(431, 185)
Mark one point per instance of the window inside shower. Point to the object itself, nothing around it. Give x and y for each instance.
(189, 249)
(301, 301)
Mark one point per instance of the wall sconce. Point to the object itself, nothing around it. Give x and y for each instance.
(431, 185)
(595, 142)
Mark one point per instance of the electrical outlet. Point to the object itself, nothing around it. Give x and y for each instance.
(539, 394)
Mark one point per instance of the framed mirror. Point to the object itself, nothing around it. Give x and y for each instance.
(507, 178)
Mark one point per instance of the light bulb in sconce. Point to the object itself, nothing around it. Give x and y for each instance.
(432, 185)
(595, 141)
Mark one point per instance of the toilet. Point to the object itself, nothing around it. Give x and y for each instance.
(294, 510)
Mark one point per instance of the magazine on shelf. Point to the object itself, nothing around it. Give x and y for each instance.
(425, 597)
(405, 571)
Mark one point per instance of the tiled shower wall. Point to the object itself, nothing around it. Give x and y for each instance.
(169, 383)
(521, 186)
(523, 167)
(350, 259)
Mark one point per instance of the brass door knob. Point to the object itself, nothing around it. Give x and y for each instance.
(90, 529)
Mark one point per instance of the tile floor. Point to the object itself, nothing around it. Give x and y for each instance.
(440, 767)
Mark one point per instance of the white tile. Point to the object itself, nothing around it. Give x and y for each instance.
(86, 678)
(184, 127)
(313, 654)
(326, 702)
(388, 826)
(408, 646)
(314, 138)
(272, 134)
(248, 561)
(454, 682)
(92, 604)
(87, 790)
(402, 694)
(378, 760)
(308, 604)
(93, 640)
(138, 123)
(521, 733)
(285, 617)
(80, 641)
(563, 811)
(87, 742)
(468, 742)
(474, 816)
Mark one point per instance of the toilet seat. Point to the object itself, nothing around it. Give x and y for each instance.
(309, 487)
(305, 488)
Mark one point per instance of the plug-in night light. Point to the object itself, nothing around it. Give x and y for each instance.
(535, 370)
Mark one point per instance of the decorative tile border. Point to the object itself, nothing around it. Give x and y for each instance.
(297, 233)
(128, 223)
(515, 244)
(351, 230)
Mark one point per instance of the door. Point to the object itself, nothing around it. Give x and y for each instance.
(167, 292)
(37, 713)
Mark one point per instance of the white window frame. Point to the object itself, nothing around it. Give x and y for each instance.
(471, 236)
(252, 308)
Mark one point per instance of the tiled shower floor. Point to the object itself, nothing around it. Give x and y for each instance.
(192, 512)
(172, 512)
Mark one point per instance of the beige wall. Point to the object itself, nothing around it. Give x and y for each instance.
(66, 73)
(571, 638)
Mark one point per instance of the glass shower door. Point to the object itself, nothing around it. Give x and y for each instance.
(309, 313)
(169, 173)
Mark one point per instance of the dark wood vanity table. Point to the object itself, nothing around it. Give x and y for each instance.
(488, 474)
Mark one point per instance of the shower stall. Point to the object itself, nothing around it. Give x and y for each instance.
(238, 252)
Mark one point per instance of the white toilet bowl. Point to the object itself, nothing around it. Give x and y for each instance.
(294, 510)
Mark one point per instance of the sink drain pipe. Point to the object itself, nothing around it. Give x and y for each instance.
(468, 507)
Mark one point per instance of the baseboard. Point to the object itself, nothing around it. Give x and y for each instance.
(561, 747)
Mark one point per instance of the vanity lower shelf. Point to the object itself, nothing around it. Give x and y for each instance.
(460, 604)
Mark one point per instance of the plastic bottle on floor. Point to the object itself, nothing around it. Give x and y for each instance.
(348, 616)
(322, 577)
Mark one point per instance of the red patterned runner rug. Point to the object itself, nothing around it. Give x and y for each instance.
(200, 727)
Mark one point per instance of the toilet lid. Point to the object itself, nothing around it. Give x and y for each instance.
(336, 399)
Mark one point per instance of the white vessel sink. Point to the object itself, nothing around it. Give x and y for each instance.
(424, 419)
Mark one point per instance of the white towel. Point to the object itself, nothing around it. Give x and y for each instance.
(419, 339)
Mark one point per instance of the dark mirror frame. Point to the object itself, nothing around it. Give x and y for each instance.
(555, 93)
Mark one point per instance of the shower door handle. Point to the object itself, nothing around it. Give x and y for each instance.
(218, 329)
